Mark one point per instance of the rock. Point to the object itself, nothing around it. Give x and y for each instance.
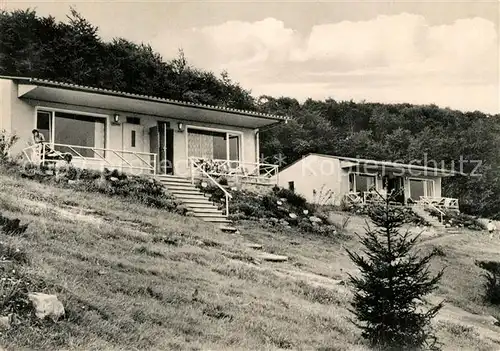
(315, 219)
(274, 219)
(5, 322)
(285, 223)
(272, 258)
(279, 203)
(255, 246)
(71, 181)
(113, 179)
(306, 212)
(293, 215)
(47, 306)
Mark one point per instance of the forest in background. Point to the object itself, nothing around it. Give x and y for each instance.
(73, 52)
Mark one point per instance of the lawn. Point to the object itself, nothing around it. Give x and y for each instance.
(136, 278)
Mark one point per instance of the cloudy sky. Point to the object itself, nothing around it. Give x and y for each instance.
(396, 51)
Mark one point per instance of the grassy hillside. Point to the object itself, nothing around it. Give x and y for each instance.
(131, 277)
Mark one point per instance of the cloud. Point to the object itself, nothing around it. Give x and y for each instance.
(398, 52)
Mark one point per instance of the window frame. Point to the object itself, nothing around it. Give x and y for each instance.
(53, 110)
(355, 189)
(424, 180)
(227, 133)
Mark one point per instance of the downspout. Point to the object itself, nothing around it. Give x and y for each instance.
(257, 146)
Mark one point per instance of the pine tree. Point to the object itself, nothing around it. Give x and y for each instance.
(388, 299)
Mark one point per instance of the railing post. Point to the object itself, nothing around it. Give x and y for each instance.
(227, 205)
(191, 169)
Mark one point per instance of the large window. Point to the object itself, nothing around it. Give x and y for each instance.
(361, 182)
(421, 187)
(80, 131)
(213, 145)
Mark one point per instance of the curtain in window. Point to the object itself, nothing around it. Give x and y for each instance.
(200, 145)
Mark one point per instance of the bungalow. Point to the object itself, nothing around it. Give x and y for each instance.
(325, 179)
(133, 133)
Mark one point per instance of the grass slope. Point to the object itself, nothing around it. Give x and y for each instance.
(132, 278)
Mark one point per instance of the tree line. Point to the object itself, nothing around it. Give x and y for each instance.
(73, 52)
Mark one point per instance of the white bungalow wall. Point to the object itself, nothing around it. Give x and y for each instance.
(315, 176)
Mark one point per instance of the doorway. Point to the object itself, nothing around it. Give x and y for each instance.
(161, 142)
(395, 184)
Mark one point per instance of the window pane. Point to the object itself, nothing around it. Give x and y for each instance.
(364, 183)
(206, 144)
(416, 189)
(430, 188)
(132, 137)
(79, 130)
(43, 122)
(234, 148)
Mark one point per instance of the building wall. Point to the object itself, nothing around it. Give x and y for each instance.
(18, 116)
(316, 177)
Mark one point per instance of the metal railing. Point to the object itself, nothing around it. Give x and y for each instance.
(441, 202)
(200, 169)
(117, 159)
(239, 169)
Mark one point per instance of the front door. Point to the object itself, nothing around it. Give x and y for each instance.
(161, 139)
(396, 184)
(133, 140)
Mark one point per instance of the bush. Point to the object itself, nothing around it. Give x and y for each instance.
(7, 141)
(457, 219)
(278, 207)
(492, 281)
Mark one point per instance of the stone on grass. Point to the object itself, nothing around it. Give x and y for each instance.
(293, 215)
(315, 219)
(272, 257)
(47, 306)
(5, 322)
(255, 246)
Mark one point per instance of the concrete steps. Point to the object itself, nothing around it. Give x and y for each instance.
(196, 202)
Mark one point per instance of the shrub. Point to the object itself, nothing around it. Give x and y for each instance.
(7, 141)
(388, 295)
(492, 281)
(291, 197)
(457, 219)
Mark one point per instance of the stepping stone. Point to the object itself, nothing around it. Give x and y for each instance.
(227, 229)
(255, 246)
(272, 258)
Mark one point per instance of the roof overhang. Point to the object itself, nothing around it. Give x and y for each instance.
(389, 167)
(132, 103)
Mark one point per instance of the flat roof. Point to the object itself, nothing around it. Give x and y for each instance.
(54, 91)
(350, 162)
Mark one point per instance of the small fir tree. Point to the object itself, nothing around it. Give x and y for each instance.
(388, 299)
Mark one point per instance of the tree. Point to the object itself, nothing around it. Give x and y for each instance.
(388, 296)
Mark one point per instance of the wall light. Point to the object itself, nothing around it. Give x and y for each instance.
(116, 118)
(180, 126)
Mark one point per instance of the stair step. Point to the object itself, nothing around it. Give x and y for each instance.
(220, 220)
(186, 192)
(181, 187)
(197, 203)
(192, 196)
(208, 211)
(205, 204)
(169, 180)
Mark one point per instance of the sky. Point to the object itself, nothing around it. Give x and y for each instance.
(441, 52)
